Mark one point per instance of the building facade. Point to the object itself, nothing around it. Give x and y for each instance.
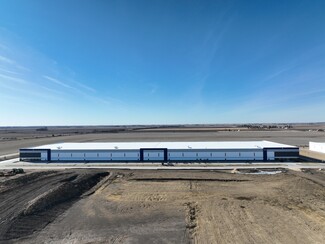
(317, 147)
(161, 152)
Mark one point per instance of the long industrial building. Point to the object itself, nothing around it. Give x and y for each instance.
(161, 152)
(317, 147)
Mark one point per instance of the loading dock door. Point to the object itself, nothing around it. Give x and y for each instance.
(153, 155)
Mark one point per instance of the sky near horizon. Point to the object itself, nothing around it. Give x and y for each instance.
(161, 62)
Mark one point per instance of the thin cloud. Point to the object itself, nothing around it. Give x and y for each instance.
(14, 79)
(84, 86)
(6, 60)
(29, 93)
(4, 47)
(97, 99)
(64, 84)
(273, 99)
(8, 71)
(278, 73)
(23, 68)
(58, 82)
(25, 73)
(106, 101)
(52, 90)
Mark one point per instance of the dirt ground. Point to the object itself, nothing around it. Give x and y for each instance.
(146, 206)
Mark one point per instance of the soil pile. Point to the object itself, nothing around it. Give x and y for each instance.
(30, 202)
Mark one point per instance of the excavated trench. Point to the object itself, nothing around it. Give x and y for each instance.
(192, 220)
(187, 179)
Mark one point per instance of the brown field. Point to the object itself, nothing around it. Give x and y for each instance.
(162, 207)
(11, 139)
(157, 206)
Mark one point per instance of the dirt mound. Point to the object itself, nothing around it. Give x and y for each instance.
(27, 178)
(41, 209)
(203, 207)
(63, 193)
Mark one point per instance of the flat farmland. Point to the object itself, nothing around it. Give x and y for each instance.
(160, 206)
(11, 139)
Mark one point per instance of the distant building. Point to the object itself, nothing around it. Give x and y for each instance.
(317, 147)
(161, 152)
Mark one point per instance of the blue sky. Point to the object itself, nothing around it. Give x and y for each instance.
(161, 62)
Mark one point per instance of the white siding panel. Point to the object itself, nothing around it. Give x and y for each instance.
(218, 154)
(132, 156)
(259, 155)
(104, 155)
(44, 156)
(232, 155)
(173, 155)
(154, 155)
(117, 155)
(54, 156)
(317, 146)
(94, 156)
(77, 156)
(270, 155)
(157, 155)
(190, 154)
(204, 155)
(64, 156)
(246, 155)
(213, 155)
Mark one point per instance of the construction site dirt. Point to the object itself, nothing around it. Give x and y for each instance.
(147, 206)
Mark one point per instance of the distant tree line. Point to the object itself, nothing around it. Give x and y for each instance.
(262, 126)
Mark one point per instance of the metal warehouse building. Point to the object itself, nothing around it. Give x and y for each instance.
(161, 151)
(317, 146)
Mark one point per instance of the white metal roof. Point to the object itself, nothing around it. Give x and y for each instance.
(169, 145)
